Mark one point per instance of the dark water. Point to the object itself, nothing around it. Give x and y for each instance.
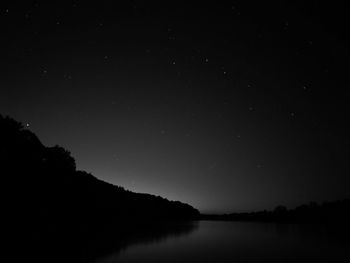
(217, 241)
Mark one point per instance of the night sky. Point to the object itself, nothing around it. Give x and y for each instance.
(226, 105)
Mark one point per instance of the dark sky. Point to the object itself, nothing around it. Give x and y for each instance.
(226, 105)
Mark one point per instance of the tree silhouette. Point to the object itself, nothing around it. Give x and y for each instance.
(46, 189)
(60, 158)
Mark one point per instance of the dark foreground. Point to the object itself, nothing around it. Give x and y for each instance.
(190, 241)
(226, 242)
(87, 245)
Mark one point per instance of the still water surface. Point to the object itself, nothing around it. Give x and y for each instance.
(217, 241)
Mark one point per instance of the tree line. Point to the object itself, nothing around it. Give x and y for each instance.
(45, 190)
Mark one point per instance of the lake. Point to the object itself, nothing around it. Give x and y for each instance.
(219, 241)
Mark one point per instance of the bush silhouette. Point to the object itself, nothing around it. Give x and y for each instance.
(59, 158)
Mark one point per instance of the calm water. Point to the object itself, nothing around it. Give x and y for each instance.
(215, 241)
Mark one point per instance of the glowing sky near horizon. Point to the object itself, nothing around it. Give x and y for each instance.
(227, 106)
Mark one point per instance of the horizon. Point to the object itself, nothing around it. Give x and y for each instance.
(26, 127)
(229, 106)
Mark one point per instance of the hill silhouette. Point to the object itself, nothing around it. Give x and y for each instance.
(48, 198)
(328, 212)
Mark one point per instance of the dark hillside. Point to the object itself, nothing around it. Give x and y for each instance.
(44, 189)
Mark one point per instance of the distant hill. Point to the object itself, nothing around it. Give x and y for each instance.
(327, 212)
(44, 189)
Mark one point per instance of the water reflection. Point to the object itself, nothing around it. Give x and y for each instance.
(92, 245)
(216, 241)
(204, 241)
(143, 234)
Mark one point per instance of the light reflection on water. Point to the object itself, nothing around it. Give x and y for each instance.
(215, 241)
